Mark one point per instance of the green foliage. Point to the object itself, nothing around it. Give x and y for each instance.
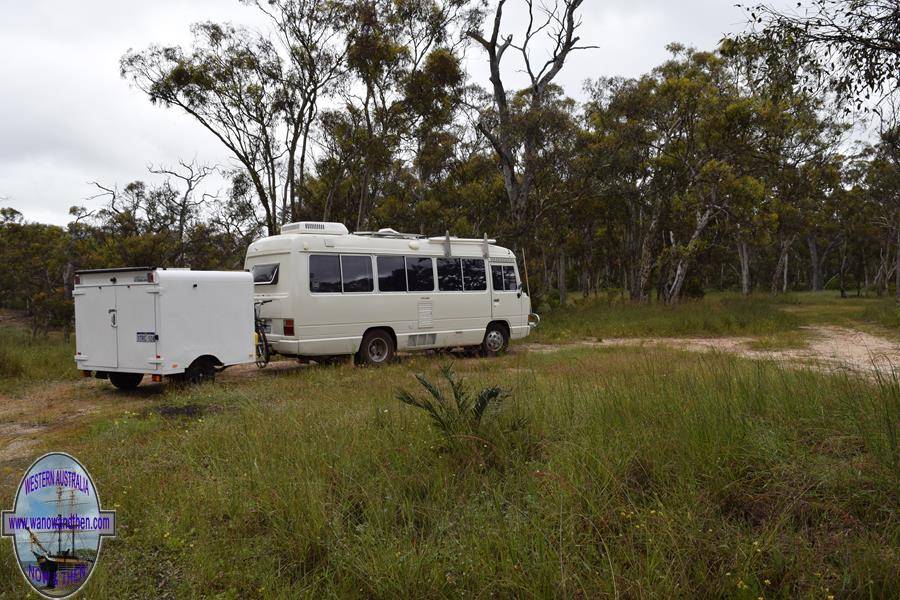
(848, 48)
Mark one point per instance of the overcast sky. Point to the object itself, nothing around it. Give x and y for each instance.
(67, 118)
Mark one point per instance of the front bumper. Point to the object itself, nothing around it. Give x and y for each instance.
(534, 320)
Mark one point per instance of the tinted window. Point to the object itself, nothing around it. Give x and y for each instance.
(391, 274)
(474, 278)
(265, 274)
(324, 273)
(357, 273)
(509, 279)
(497, 278)
(419, 274)
(449, 275)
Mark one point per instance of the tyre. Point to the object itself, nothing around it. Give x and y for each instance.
(126, 381)
(496, 340)
(263, 353)
(377, 348)
(200, 371)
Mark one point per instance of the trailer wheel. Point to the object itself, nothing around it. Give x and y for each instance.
(496, 340)
(377, 348)
(126, 381)
(200, 371)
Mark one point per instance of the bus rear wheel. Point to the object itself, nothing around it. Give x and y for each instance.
(496, 340)
(126, 381)
(377, 348)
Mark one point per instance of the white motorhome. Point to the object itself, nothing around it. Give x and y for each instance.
(369, 294)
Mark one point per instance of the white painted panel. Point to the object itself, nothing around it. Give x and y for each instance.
(95, 331)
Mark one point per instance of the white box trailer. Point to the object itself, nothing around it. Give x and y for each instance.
(136, 321)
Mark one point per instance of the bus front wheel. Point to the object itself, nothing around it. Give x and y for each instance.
(496, 340)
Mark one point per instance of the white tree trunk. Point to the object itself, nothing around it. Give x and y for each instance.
(674, 292)
(744, 255)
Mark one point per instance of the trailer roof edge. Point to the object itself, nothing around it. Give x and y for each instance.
(114, 270)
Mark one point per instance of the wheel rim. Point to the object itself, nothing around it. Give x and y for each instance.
(494, 341)
(377, 350)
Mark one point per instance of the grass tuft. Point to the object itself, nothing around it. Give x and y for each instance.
(10, 364)
(25, 361)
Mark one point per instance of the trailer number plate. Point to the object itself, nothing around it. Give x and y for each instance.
(146, 337)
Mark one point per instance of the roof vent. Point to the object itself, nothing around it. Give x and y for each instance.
(387, 232)
(315, 227)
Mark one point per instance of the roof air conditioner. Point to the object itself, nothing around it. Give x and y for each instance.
(315, 227)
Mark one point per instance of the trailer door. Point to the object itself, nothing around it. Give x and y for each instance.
(95, 328)
(136, 326)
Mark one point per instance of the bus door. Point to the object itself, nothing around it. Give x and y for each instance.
(506, 294)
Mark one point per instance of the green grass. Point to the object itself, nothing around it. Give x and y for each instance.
(778, 317)
(25, 361)
(885, 314)
(787, 339)
(604, 473)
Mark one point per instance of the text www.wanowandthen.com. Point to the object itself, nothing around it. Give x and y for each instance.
(55, 523)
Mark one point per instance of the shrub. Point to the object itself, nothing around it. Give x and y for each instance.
(460, 414)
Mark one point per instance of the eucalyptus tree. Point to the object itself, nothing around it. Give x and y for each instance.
(881, 179)
(257, 93)
(405, 91)
(616, 162)
(516, 135)
(851, 47)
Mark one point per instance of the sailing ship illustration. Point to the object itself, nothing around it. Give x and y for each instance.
(67, 566)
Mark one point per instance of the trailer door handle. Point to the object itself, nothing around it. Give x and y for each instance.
(112, 317)
(496, 300)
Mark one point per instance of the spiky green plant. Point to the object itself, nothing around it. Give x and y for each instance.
(459, 413)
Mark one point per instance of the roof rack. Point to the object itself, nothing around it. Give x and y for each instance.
(114, 270)
(447, 240)
(386, 232)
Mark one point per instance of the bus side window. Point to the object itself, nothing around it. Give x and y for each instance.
(510, 284)
(497, 277)
(324, 273)
(449, 275)
(356, 273)
(474, 279)
(419, 274)
(391, 274)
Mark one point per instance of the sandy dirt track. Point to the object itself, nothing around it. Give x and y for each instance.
(828, 348)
